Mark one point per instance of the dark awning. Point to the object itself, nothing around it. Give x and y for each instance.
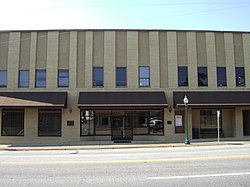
(121, 99)
(213, 99)
(33, 99)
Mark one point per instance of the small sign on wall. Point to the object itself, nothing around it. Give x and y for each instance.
(70, 123)
(178, 120)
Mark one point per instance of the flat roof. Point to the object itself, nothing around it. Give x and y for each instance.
(157, 30)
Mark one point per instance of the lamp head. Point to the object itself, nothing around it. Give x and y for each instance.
(185, 100)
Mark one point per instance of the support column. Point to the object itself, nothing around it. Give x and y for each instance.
(13, 60)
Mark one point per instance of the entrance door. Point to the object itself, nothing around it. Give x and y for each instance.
(246, 122)
(121, 130)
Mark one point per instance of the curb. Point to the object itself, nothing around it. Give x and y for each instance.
(113, 146)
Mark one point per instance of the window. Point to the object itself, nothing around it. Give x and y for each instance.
(12, 122)
(138, 122)
(49, 123)
(98, 77)
(3, 78)
(144, 76)
(179, 122)
(221, 76)
(87, 123)
(182, 76)
(240, 76)
(24, 77)
(121, 76)
(202, 76)
(63, 78)
(40, 79)
(208, 119)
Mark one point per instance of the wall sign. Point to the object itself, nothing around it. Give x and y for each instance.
(178, 120)
(70, 123)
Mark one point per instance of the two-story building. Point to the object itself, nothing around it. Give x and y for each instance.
(112, 85)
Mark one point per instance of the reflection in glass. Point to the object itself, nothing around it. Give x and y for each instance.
(240, 76)
(121, 76)
(182, 76)
(98, 77)
(23, 79)
(221, 76)
(63, 78)
(144, 76)
(202, 76)
(40, 79)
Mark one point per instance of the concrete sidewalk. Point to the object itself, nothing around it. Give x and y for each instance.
(111, 145)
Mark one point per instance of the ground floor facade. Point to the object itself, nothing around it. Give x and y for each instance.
(39, 117)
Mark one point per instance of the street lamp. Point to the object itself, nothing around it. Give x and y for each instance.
(185, 101)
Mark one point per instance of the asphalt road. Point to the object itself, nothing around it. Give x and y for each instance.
(184, 166)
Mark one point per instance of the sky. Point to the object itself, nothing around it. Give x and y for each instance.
(216, 15)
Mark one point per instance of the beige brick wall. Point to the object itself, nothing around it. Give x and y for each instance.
(132, 59)
(211, 60)
(13, 60)
(52, 60)
(109, 60)
(230, 60)
(172, 60)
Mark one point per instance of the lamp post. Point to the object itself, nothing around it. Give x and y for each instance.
(185, 101)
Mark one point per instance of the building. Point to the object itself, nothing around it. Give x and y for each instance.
(113, 85)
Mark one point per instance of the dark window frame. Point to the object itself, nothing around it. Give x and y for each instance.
(3, 78)
(202, 76)
(121, 77)
(61, 83)
(182, 76)
(12, 120)
(240, 76)
(98, 81)
(143, 78)
(221, 73)
(41, 124)
(23, 79)
(40, 81)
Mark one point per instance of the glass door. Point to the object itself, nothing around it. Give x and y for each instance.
(121, 129)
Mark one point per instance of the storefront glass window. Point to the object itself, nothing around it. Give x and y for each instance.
(87, 123)
(208, 119)
(141, 122)
(12, 123)
(49, 123)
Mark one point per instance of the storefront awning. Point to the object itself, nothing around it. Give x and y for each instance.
(95, 100)
(213, 99)
(33, 99)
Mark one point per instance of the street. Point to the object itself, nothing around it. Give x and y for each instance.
(225, 165)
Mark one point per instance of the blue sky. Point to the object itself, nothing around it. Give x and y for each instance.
(224, 15)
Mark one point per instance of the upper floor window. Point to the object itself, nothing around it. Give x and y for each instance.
(202, 76)
(221, 76)
(23, 81)
(240, 76)
(63, 78)
(121, 76)
(144, 76)
(40, 79)
(182, 76)
(98, 77)
(3, 78)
